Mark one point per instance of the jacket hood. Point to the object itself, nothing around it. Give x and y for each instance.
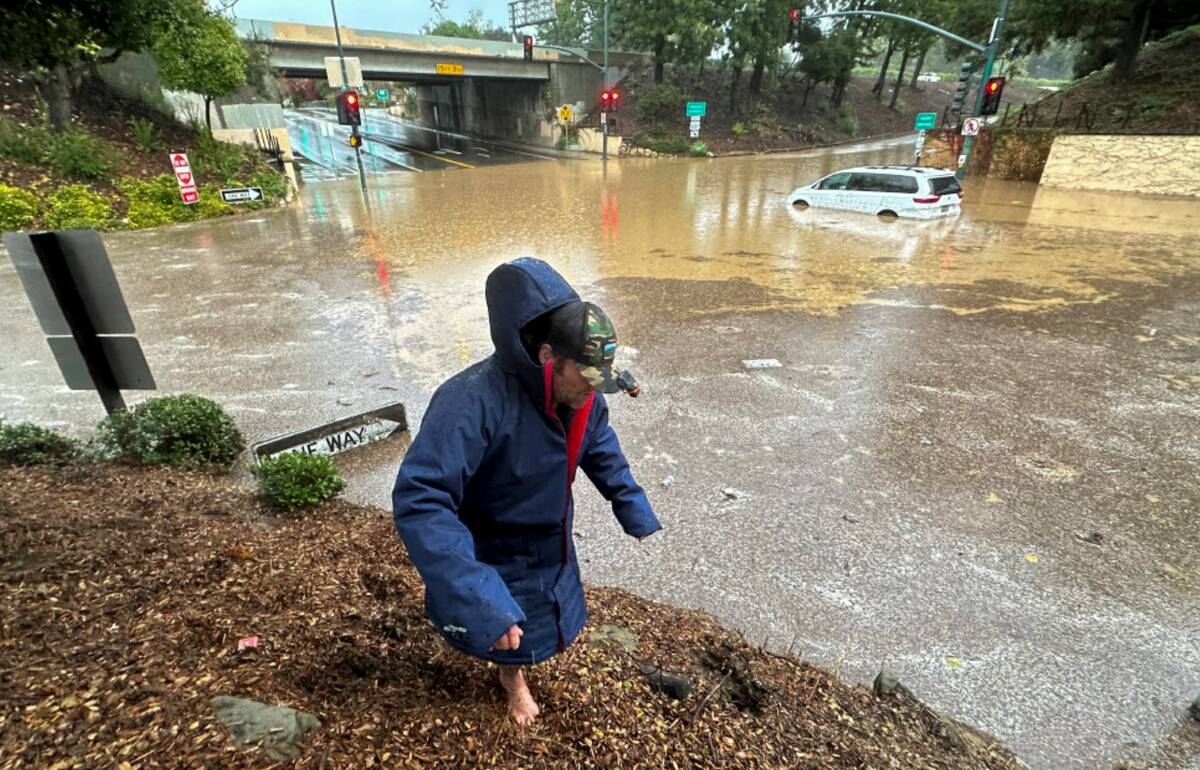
(518, 292)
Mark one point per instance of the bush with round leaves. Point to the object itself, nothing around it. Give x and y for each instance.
(186, 430)
(297, 480)
(23, 443)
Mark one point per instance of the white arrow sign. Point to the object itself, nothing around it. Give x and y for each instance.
(242, 194)
(343, 440)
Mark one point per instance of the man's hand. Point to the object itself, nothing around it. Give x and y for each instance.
(511, 639)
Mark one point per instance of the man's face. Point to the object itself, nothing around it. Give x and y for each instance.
(570, 387)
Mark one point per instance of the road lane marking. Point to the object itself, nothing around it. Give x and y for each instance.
(435, 157)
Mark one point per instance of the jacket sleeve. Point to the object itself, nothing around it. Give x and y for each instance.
(606, 466)
(467, 600)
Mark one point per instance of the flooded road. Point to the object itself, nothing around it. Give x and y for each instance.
(976, 463)
(390, 144)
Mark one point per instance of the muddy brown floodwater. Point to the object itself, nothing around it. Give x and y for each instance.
(976, 463)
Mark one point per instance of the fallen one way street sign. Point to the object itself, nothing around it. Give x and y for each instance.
(340, 436)
(242, 194)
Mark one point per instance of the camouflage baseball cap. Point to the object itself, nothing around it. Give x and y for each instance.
(598, 350)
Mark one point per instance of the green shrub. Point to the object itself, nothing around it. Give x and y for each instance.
(23, 443)
(74, 205)
(144, 135)
(847, 123)
(660, 105)
(739, 128)
(185, 430)
(274, 186)
(297, 480)
(154, 202)
(217, 162)
(18, 208)
(699, 148)
(80, 155)
(211, 204)
(671, 145)
(23, 143)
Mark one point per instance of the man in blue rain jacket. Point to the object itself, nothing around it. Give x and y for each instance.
(483, 497)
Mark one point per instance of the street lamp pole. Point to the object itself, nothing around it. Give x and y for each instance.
(337, 31)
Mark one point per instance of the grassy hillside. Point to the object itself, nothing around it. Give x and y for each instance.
(112, 169)
(1163, 96)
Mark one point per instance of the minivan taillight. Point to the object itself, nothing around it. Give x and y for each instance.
(933, 199)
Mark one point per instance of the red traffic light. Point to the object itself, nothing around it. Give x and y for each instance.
(348, 109)
(605, 96)
(795, 14)
(528, 40)
(991, 96)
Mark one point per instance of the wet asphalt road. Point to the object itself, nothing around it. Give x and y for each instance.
(976, 464)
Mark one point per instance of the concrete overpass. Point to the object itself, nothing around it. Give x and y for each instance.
(497, 94)
(299, 50)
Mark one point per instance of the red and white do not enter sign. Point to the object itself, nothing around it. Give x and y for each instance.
(184, 178)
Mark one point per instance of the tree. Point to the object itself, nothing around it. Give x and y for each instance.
(56, 42)
(203, 55)
(475, 28)
(826, 59)
(1107, 30)
(672, 30)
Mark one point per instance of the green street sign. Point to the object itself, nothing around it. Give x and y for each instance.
(381, 94)
(925, 120)
(696, 109)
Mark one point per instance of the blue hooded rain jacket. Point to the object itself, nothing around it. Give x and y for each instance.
(483, 497)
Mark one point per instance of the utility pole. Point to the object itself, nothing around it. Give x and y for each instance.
(337, 31)
(989, 61)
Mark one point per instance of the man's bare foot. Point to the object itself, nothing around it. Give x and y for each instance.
(520, 701)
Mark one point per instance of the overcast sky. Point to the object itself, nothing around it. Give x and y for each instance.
(389, 15)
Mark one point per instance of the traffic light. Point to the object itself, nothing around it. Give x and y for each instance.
(991, 96)
(616, 101)
(610, 100)
(355, 140)
(964, 85)
(794, 26)
(529, 48)
(348, 109)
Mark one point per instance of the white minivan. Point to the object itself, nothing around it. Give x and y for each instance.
(901, 191)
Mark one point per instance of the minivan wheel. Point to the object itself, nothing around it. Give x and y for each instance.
(888, 214)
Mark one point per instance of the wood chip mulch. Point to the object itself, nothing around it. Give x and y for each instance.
(124, 592)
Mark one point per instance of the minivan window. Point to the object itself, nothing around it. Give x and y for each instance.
(886, 183)
(944, 185)
(835, 182)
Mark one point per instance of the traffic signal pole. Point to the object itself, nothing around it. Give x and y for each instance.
(362, 177)
(988, 50)
(989, 61)
(604, 85)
